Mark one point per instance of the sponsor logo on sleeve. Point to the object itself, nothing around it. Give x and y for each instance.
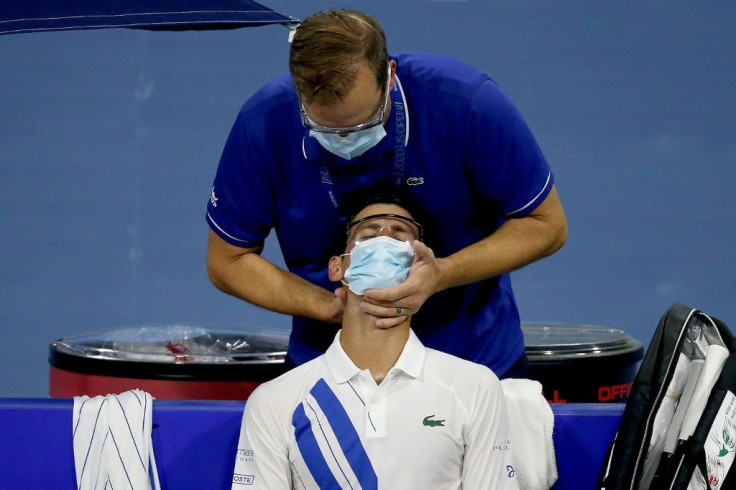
(213, 197)
(510, 471)
(246, 455)
(502, 445)
(243, 479)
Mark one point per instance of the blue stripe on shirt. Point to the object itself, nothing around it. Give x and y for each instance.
(346, 435)
(311, 453)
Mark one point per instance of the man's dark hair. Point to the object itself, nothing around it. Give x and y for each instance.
(381, 194)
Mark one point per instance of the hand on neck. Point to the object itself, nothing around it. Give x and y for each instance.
(370, 347)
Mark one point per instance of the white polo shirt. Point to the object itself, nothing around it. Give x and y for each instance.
(435, 422)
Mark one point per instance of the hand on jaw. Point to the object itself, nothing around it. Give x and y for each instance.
(386, 270)
(370, 346)
(409, 296)
(353, 314)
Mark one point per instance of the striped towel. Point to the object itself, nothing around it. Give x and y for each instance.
(112, 442)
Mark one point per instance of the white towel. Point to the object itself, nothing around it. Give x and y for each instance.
(531, 423)
(112, 442)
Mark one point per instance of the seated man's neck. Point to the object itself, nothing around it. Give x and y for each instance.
(368, 346)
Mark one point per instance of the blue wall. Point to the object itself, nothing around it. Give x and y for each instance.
(109, 141)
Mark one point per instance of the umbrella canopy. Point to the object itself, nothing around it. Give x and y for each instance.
(19, 16)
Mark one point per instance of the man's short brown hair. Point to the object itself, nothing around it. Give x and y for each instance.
(328, 49)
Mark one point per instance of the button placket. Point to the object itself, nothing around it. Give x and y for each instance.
(376, 411)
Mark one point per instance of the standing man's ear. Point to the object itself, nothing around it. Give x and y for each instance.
(334, 269)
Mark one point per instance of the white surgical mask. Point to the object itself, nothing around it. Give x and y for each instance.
(352, 144)
(378, 263)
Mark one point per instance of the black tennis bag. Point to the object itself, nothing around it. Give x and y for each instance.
(678, 429)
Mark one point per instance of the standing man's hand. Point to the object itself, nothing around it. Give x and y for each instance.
(243, 273)
(393, 305)
(338, 305)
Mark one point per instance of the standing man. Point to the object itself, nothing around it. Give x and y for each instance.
(351, 117)
(378, 409)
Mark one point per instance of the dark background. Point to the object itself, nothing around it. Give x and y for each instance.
(109, 141)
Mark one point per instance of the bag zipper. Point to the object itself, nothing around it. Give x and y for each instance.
(658, 401)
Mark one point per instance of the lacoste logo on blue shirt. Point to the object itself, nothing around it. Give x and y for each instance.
(415, 181)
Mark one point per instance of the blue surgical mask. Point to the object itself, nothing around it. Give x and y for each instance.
(352, 144)
(378, 263)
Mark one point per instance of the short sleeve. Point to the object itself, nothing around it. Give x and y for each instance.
(488, 461)
(262, 460)
(241, 205)
(506, 165)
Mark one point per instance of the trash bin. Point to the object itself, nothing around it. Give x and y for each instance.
(167, 361)
(582, 363)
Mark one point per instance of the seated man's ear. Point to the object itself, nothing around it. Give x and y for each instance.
(334, 269)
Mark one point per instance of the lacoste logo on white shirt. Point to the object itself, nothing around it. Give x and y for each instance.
(429, 421)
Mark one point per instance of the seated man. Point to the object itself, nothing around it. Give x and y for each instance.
(378, 409)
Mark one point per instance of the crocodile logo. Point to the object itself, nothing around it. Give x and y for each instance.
(432, 423)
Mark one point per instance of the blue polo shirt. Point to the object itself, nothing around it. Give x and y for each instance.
(454, 141)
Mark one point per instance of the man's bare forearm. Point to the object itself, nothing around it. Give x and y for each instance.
(517, 243)
(243, 273)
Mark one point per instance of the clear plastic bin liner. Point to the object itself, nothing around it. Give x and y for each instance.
(178, 343)
(562, 341)
(171, 351)
(582, 363)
